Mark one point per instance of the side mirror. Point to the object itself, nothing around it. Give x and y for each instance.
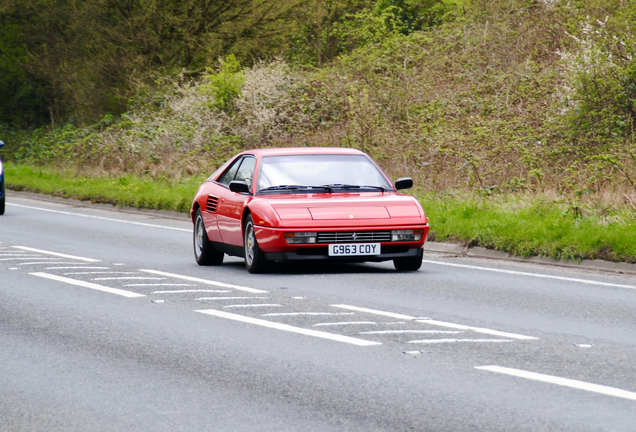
(404, 183)
(239, 186)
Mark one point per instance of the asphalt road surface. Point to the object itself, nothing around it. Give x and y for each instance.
(108, 324)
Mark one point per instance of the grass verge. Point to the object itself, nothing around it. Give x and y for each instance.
(521, 224)
(122, 191)
(528, 225)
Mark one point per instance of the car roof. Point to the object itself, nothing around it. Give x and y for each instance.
(301, 150)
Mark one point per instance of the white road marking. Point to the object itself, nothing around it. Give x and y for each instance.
(412, 331)
(76, 267)
(537, 275)
(439, 323)
(57, 254)
(46, 262)
(375, 312)
(190, 291)
(92, 273)
(101, 218)
(309, 313)
(251, 305)
(157, 284)
(230, 298)
(206, 281)
(88, 285)
(477, 329)
(285, 327)
(26, 258)
(128, 278)
(440, 341)
(580, 385)
(345, 323)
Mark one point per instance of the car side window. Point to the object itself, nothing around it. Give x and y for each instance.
(229, 174)
(246, 170)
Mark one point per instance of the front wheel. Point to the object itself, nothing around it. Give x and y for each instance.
(254, 257)
(2, 207)
(410, 263)
(204, 252)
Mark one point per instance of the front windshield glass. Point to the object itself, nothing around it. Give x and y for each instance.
(320, 173)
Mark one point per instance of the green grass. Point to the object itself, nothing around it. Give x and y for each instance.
(123, 191)
(527, 225)
(523, 225)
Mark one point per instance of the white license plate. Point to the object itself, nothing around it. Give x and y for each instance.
(354, 249)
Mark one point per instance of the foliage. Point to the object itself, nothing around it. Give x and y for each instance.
(76, 61)
(495, 97)
(531, 225)
(122, 191)
(224, 86)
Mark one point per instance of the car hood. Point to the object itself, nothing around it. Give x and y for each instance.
(346, 209)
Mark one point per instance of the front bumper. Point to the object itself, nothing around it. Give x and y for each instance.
(272, 242)
(321, 253)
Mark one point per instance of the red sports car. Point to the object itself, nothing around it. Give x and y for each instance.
(306, 204)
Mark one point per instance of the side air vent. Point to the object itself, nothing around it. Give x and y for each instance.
(211, 204)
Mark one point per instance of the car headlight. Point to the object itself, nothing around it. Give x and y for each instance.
(300, 237)
(0, 167)
(407, 235)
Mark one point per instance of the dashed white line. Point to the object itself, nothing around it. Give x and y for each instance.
(157, 284)
(44, 262)
(308, 313)
(345, 323)
(375, 312)
(231, 298)
(286, 327)
(91, 273)
(57, 254)
(102, 218)
(440, 341)
(251, 305)
(88, 285)
(25, 258)
(537, 275)
(190, 291)
(128, 278)
(412, 331)
(206, 281)
(566, 382)
(478, 329)
(438, 323)
(77, 268)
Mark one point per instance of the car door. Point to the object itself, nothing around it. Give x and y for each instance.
(231, 204)
(210, 211)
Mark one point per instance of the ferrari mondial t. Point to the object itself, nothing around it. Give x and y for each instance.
(321, 203)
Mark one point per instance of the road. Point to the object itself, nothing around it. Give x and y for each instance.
(108, 324)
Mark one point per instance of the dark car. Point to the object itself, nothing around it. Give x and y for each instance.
(2, 199)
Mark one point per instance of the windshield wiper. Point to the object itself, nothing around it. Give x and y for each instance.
(330, 187)
(282, 187)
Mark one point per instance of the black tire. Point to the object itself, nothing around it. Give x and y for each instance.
(254, 257)
(410, 263)
(204, 252)
(2, 207)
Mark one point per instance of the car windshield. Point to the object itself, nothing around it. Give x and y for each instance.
(320, 173)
